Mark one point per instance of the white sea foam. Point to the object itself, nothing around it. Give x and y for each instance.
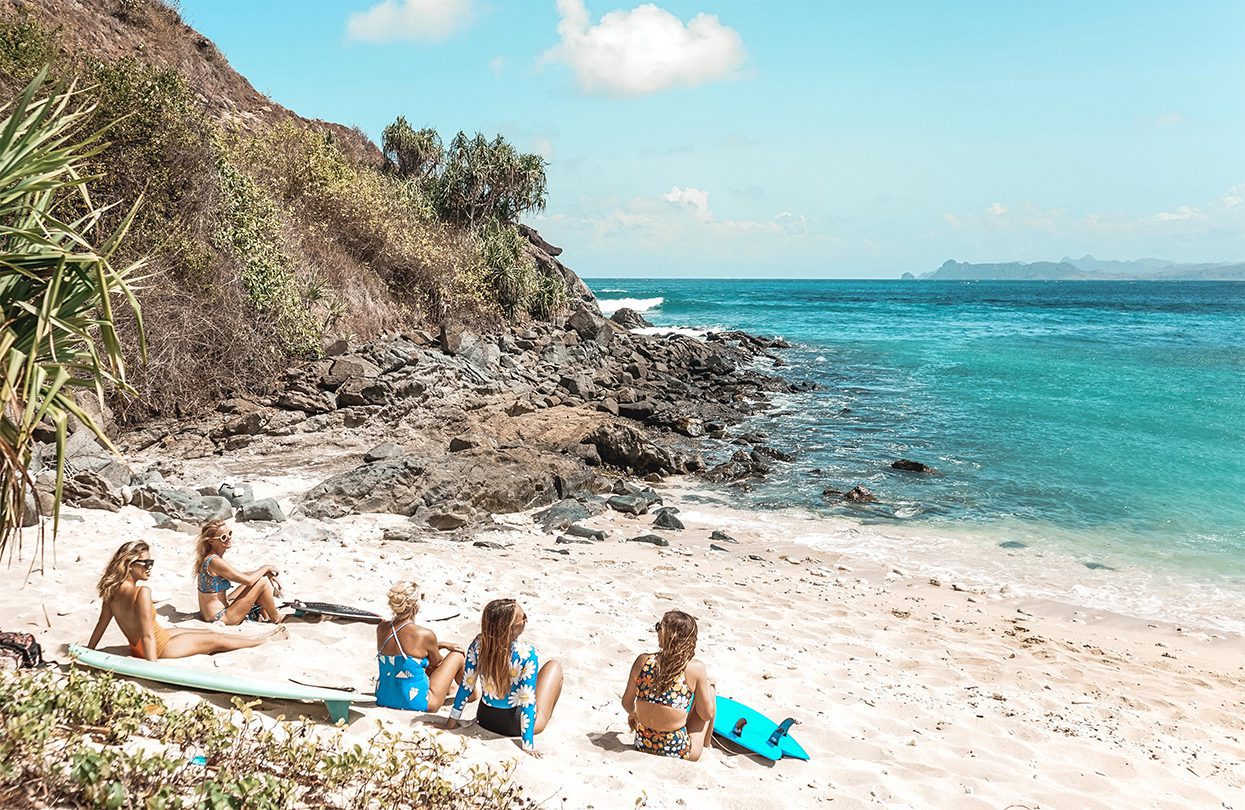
(673, 330)
(611, 305)
(611, 290)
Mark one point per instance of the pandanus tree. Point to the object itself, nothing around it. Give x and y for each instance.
(58, 338)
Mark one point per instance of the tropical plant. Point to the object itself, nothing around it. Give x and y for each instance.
(413, 155)
(57, 281)
(486, 180)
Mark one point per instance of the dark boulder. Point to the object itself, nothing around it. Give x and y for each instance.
(908, 465)
(722, 537)
(590, 326)
(625, 447)
(575, 530)
(630, 504)
(666, 520)
(651, 539)
(562, 514)
(859, 494)
(629, 319)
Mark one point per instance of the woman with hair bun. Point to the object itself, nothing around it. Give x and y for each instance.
(517, 693)
(413, 674)
(127, 599)
(669, 699)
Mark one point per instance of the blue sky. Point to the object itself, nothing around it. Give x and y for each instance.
(802, 139)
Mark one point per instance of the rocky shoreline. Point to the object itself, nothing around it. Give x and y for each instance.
(451, 429)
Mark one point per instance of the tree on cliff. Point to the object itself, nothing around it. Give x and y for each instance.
(58, 336)
(473, 181)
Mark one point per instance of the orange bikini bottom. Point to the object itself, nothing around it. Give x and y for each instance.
(162, 641)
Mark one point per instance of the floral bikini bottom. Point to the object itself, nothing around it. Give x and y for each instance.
(677, 743)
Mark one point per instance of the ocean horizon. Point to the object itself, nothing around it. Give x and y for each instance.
(1093, 423)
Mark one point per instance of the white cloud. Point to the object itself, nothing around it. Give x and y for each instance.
(1180, 214)
(420, 20)
(1234, 196)
(1168, 119)
(644, 50)
(997, 210)
(693, 198)
(497, 64)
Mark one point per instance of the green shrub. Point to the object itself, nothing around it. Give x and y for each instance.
(250, 229)
(78, 738)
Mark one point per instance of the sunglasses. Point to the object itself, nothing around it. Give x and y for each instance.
(657, 627)
(227, 536)
(145, 563)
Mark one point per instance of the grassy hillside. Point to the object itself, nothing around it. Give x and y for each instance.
(265, 232)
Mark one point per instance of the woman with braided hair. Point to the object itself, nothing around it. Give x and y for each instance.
(669, 699)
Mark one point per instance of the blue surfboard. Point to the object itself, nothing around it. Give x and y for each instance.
(748, 728)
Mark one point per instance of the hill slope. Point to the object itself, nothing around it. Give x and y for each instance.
(267, 233)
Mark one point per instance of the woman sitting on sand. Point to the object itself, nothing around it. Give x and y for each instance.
(413, 673)
(515, 700)
(129, 602)
(252, 599)
(669, 700)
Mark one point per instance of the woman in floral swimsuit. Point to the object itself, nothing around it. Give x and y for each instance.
(518, 694)
(669, 699)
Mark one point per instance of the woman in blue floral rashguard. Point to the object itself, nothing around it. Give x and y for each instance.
(517, 695)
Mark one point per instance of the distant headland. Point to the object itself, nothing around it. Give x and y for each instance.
(1086, 268)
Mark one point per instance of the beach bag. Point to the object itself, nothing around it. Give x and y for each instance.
(19, 651)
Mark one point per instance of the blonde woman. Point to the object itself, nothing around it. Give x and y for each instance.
(219, 600)
(413, 674)
(128, 601)
(518, 695)
(669, 699)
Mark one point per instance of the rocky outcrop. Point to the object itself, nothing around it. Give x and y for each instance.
(629, 319)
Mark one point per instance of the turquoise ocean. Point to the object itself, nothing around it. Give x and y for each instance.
(1102, 423)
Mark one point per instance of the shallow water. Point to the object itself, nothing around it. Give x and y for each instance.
(1101, 420)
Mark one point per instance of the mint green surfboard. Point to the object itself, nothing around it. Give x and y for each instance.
(336, 701)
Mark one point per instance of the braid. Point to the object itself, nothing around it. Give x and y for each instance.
(678, 645)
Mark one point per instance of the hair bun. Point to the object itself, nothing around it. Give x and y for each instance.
(404, 598)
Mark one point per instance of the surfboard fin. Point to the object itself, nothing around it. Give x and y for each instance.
(784, 728)
(738, 730)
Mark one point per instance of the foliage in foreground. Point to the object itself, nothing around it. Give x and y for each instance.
(80, 738)
(57, 279)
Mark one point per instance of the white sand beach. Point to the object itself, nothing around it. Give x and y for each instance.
(908, 692)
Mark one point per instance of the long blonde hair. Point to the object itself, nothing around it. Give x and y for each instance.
(404, 600)
(118, 568)
(676, 632)
(499, 627)
(208, 532)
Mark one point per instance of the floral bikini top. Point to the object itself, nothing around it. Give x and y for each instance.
(212, 583)
(677, 696)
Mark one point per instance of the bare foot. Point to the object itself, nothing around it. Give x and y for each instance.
(280, 631)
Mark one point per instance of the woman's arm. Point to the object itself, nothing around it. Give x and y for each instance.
(147, 623)
(465, 688)
(628, 698)
(105, 616)
(428, 640)
(525, 697)
(217, 565)
(706, 696)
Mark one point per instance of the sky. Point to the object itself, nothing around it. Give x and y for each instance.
(810, 139)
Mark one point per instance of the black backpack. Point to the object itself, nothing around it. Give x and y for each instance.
(19, 651)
